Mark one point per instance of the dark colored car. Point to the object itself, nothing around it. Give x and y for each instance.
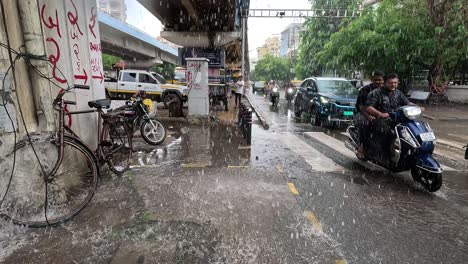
(327, 100)
(259, 86)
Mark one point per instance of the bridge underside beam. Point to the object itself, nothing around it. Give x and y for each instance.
(116, 43)
(201, 39)
(142, 64)
(194, 15)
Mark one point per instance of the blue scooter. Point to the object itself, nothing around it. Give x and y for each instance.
(411, 147)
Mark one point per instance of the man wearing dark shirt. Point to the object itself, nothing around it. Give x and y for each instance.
(362, 118)
(386, 99)
(380, 103)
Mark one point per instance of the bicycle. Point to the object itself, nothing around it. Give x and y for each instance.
(56, 174)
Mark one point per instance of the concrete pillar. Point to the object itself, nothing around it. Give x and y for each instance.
(24, 93)
(34, 41)
(197, 81)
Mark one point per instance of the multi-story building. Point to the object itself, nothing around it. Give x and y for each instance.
(271, 46)
(290, 39)
(262, 52)
(116, 8)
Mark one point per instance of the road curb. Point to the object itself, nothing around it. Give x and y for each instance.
(261, 116)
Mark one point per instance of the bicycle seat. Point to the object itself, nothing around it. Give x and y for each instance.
(99, 104)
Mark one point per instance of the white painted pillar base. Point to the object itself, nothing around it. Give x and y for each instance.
(197, 81)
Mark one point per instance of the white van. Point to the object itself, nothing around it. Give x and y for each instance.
(155, 86)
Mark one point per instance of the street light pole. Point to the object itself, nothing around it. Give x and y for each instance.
(243, 47)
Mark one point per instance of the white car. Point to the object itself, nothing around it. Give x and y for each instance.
(155, 86)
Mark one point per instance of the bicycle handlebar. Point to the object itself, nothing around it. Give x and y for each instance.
(69, 102)
(60, 95)
(80, 86)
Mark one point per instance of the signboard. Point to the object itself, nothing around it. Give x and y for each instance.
(216, 56)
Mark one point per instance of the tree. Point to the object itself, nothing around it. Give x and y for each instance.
(316, 34)
(166, 70)
(399, 36)
(273, 68)
(109, 60)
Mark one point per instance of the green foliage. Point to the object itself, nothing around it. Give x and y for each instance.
(166, 70)
(316, 34)
(109, 60)
(401, 36)
(273, 68)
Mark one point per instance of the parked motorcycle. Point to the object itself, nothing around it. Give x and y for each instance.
(274, 96)
(411, 148)
(137, 112)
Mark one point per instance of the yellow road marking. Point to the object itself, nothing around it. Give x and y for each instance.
(236, 167)
(340, 261)
(315, 222)
(279, 168)
(194, 165)
(292, 188)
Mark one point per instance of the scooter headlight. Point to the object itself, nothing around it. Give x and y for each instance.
(290, 90)
(324, 100)
(275, 90)
(412, 112)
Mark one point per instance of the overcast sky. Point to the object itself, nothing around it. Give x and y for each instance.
(262, 28)
(259, 28)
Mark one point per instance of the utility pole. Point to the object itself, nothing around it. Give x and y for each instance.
(244, 21)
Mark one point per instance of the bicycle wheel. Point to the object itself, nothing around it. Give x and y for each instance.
(32, 200)
(154, 133)
(116, 145)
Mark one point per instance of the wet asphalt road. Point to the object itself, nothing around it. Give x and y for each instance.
(374, 215)
(294, 196)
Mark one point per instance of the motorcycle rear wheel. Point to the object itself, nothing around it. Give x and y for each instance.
(429, 180)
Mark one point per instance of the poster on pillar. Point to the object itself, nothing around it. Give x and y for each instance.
(74, 50)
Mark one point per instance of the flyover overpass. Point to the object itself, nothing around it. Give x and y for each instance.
(199, 23)
(138, 49)
(203, 23)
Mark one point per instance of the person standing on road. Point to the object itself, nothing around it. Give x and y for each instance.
(239, 90)
(362, 117)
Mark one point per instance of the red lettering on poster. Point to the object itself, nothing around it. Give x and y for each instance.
(51, 24)
(99, 77)
(54, 59)
(84, 76)
(95, 46)
(76, 50)
(73, 18)
(92, 21)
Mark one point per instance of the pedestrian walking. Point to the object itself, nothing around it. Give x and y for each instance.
(239, 90)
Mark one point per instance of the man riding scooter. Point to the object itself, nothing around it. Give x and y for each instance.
(274, 93)
(290, 92)
(363, 118)
(399, 141)
(380, 103)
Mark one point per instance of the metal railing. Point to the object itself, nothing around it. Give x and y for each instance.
(245, 122)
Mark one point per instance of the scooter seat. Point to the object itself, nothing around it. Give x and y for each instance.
(99, 104)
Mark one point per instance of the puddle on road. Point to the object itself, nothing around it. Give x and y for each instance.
(210, 145)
